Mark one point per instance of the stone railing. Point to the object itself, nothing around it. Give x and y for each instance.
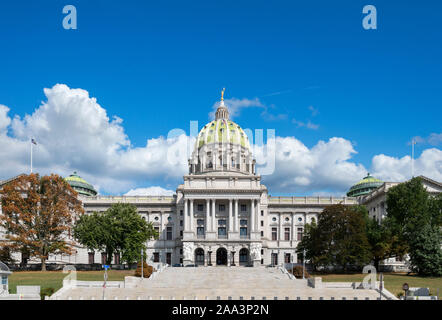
(131, 199)
(312, 200)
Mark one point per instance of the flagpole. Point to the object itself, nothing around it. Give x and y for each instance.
(412, 158)
(31, 155)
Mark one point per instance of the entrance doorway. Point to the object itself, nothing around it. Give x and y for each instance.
(221, 257)
(243, 257)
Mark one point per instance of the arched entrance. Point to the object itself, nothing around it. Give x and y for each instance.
(199, 257)
(221, 257)
(243, 257)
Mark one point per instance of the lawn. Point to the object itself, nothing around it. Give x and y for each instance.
(393, 281)
(54, 279)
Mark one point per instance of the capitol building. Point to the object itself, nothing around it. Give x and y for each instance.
(222, 214)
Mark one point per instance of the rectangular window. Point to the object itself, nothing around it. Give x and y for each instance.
(156, 257)
(181, 233)
(221, 222)
(157, 229)
(200, 207)
(200, 222)
(181, 251)
(243, 222)
(286, 234)
(262, 233)
(169, 258)
(181, 212)
(222, 233)
(200, 232)
(4, 280)
(243, 232)
(299, 234)
(117, 258)
(262, 223)
(169, 233)
(91, 257)
(274, 259)
(222, 207)
(262, 213)
(287, 258)
(243, 207)
(181, 223)
(274, 234)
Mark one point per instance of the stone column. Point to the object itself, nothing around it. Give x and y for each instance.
(230, 216)
(207, 215)
(191, 215)
(186, 221)
(252, 216)
(236, 216)
(293, 227)
(258, 214)
(281, 232)
(213, 215)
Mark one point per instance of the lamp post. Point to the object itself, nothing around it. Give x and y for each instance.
(405, 287)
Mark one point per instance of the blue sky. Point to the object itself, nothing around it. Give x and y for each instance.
(158, 65)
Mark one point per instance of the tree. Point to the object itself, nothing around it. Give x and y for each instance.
(38, 214)
(338, 239)
(414, 216)
(120, 229)
(383, 243)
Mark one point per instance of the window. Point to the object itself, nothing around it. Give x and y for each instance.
(262, 223)
(243, 207)
(156, 218)
(299, 219)
(117, 258)
(156, 257)
(243, 222)
(221, 222)
(286, 234)
(91, 257)
(181, 251)
(103, 258)
(200, 207)
(262, 233)
(169, 219)
(181, 223)
(273, 219)
(274, 259)
(157, 229)
(299, 234)
(262, 213)
(169, 258)
(200, 232)
(222, 232)
(181, 212)
(4, 280)
(287, 258)
(200, 222)
(243, 232)
(287, 219)
(169, 233)
(274, 234)
(222, 207)
(181, 233)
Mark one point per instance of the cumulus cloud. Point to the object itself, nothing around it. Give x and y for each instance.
(235, 105)
(151, 191)
(308, 124)
(74, 132)
(324, 167)
(389, 168)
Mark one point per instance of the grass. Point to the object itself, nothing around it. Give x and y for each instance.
(393, 281)
(54, 279)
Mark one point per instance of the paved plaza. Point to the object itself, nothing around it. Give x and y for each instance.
(212, 282)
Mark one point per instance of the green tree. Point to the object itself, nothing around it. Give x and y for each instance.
(120, 229)
(414, 216)
(338, 239)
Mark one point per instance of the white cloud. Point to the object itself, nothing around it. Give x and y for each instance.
(326, 166)
(389, 168)
(235, 105)
(151, 191)
(308, 125)
(75, 133)
(433, 139)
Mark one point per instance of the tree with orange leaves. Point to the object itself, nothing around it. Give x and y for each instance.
(38, 214)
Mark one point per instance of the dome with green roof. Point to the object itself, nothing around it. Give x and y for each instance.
(80, 185)
(365, 186)
(222, 131)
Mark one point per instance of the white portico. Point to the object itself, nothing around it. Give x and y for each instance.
(221, 197)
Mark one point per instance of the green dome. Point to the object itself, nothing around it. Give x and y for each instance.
(80, 185)
(365, 186)
(222, 131)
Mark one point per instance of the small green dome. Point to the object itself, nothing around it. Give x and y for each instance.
(222, 131)
(80, 185)
(365, 186)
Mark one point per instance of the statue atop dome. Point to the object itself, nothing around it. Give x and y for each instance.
(222, 112)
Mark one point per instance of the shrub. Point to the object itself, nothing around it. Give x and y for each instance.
(147, 270)
(297, 272)
(46, 292)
